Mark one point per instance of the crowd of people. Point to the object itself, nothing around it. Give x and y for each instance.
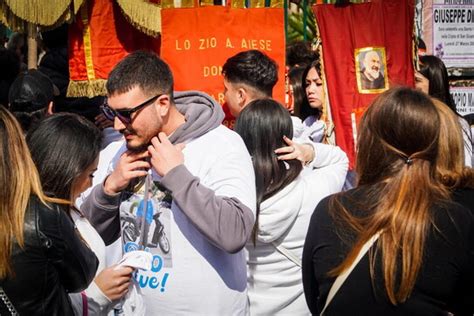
(265, 219)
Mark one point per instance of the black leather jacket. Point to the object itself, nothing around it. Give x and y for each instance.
(54, 261)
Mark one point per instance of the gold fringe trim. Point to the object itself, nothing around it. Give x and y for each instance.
(143, 15)
(239, 4)
(257, 3)
(77, 5)
(11, 21)
(38, 12)
(276, 4)
(86, 88)
(18, 23)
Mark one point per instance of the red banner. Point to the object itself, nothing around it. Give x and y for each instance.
(367, 48)
(98, 39)
(196, 42)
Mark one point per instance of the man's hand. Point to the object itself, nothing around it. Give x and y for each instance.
(164, 155)
(301, 152)
(131, 165)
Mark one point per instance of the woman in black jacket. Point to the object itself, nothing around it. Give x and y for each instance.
(42, 258)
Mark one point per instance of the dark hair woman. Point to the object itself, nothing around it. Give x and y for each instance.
(42, 257)
(422, 261)
(297, 92)
(432, 79)
(286, 197)
(65, 147)
(310, 106)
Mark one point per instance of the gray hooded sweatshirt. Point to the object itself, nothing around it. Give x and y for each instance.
(225, 221)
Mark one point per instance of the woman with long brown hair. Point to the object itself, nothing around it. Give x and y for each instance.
(42, 256)
(396, 244)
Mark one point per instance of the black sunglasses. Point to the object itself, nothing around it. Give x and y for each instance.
(125, 116)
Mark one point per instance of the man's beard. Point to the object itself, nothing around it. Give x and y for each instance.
(374, 73)
(137, 148)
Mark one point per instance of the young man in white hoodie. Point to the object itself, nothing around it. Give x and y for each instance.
(201, 200)
(251, 75)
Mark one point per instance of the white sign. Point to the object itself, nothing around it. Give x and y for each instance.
(464, 99)
(453, 32)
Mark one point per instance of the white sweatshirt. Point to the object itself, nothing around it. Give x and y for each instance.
(274, 282)
(311, 129)
(198, 218)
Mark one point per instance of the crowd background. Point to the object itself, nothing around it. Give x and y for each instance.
(269, 213)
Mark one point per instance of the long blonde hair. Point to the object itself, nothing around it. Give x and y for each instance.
(18, 181)
(396, 159)
(450, 168)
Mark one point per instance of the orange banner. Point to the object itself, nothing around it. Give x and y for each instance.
(196, 42)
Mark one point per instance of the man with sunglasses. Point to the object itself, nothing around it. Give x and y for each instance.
(200, 202)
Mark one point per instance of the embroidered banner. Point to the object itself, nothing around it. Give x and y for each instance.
(367, 49)
(196, 42)
(100, 37)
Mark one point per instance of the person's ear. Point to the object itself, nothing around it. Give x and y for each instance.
(49, 109)
(242, 97)
(163, 104)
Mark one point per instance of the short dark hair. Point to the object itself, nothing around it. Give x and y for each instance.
(300, 54)
(141, 69)
(262, 125)
(62, 147)
(252, 68)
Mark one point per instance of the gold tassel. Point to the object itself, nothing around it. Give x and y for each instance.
(11, 21)
(239, 4)
(186, 4)
(77, 5)
(205, 3)
(166, 4)
(38, 11)
(257, 3)
(143, 15)
(86, 88)
(276, 3)
(18, 22)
